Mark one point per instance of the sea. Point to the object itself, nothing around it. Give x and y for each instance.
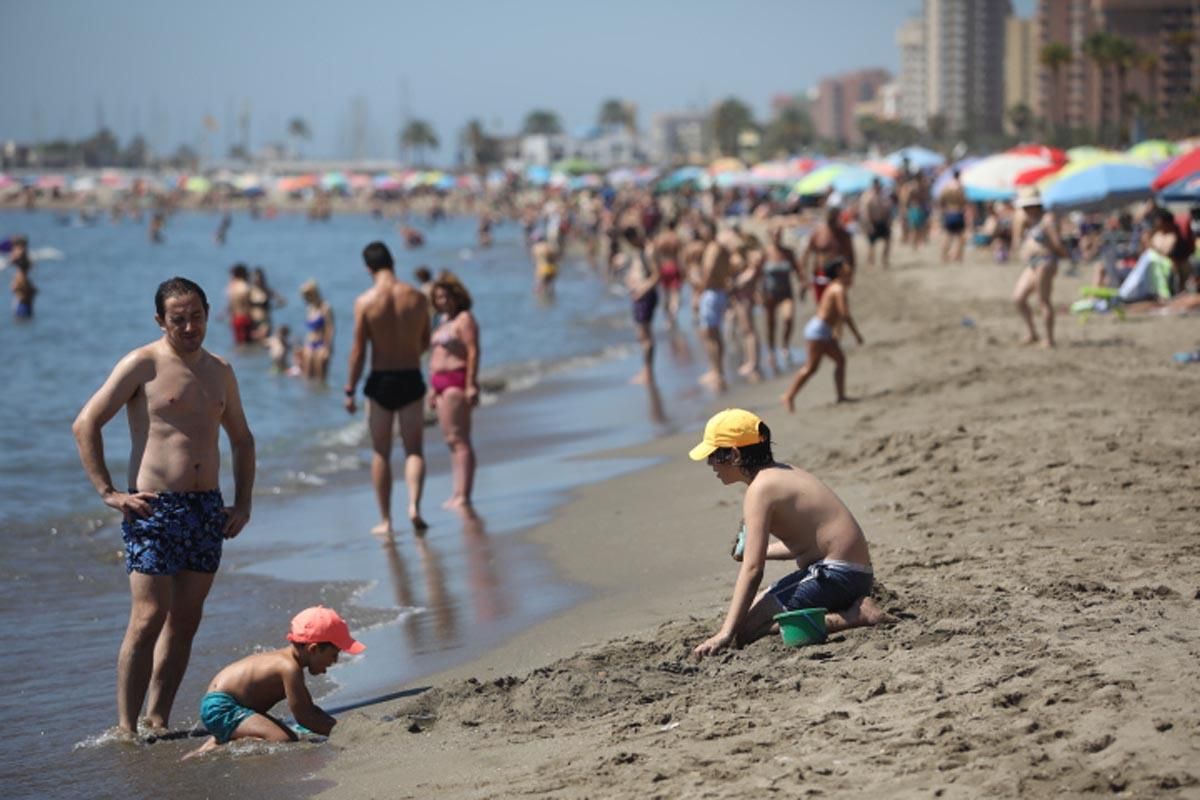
(558, 393)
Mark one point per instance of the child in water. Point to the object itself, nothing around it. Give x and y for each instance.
(279, 346)
(240, 695)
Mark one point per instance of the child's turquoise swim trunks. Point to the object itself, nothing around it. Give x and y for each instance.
(221, 713)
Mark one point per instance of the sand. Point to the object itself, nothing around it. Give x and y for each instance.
(1033, 522)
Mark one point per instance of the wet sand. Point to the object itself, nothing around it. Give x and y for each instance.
(1033, 520)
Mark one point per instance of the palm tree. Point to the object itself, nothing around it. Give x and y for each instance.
(541, 121)
(1021, 118)
(299, 131)
(1122, 54)
(417, 136)
(729, 119)
(615, 112)
(789, 131)
(1055, 56)
(483, 150)
(1098, 49)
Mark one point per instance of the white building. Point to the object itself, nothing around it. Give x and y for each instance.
(679, 137)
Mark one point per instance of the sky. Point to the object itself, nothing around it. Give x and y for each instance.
(159, 68)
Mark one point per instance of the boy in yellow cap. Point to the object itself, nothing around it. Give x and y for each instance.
(808, 523)
(240, 696)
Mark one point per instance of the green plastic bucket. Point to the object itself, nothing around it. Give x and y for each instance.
(806, 626)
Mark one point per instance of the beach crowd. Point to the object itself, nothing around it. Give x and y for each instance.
(737, 264)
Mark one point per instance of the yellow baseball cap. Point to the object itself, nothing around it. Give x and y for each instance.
(733, 427)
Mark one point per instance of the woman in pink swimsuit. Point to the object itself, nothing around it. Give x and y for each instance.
(454, 379)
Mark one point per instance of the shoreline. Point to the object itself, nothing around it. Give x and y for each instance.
(652, 546)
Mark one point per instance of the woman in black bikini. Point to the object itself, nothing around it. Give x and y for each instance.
(779, 296)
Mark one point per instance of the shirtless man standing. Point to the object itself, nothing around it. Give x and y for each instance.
(393, 317)
(953, 205)
(876, 210)
(713, 284)
(829, 243)
(176, 395)
(809, 523)
(237, 295)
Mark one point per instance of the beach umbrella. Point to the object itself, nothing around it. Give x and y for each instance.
(334, 180)
(819, 180)
(1075, 167)
(51, 182)
(537, 174)
(774, 172)
(1185, 190)
(947, 175)
(920, 158)
(684, 176)
(1178, 168)
(726, 164)
(198, 184)
(84, 184)
(883, 168)
(577, 166)
(359, 181)
(113, 179)
(856, 180)
(1098, 187)
(1044, 152)
(994, 177)
(7, 180)
(1153, 150)
(386, 183)
(802, 165)
(1031, 176)
(1087, 153)
(247, 181)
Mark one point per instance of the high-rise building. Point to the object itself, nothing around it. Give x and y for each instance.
(839, 99)
(680, 137)
(1020, 67)
(1084, 91)
(964, 58)
(910, 38)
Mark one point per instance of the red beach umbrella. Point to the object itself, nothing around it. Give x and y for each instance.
(1041, 151)
(1177, 169)
(1031, 176)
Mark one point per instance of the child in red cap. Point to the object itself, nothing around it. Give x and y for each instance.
(240, 696)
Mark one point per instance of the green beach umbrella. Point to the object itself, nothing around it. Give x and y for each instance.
(198, 184)
(1154, 150)
(577, 166)
(819, 180)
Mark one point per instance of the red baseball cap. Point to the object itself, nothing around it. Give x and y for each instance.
(319, 624)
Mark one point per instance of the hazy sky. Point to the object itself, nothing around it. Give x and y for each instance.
(158, 66)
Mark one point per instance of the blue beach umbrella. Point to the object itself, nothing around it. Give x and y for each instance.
(1100, 187)
(1186, 190)
(918, 158)
(537, 175)
(857, 180)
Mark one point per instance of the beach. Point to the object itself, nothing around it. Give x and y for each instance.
(1033, 522)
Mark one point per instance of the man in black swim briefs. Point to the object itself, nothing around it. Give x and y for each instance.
(394, 389)
(392, 318)
(177, 396)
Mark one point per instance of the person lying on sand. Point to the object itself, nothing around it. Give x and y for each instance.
(809, 524)
(240, 695)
